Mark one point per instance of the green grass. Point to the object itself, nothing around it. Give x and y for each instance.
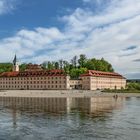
(121, 91)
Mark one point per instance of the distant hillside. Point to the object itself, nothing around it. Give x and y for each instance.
(134, 80)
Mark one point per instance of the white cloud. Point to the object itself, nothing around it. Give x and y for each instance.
(7, 6)
(106, 34)
(93, 1)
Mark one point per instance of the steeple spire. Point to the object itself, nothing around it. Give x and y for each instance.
(15, 64)
(15, 59)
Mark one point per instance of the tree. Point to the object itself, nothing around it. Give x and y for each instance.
(82, 60)
(97, 64)
(23, 67)
(133, 86)
(50, 65)
(44, 64)
(61, 63)
(74, 61)
(56, 65)
(5, 67)
(90, 64)
(66, 67)
(75, 73)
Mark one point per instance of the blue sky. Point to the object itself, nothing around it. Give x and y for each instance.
(41, 30)
(34, 13)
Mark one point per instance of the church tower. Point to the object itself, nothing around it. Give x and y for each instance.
(15, 64)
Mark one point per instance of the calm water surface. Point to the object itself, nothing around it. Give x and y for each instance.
(75, 119)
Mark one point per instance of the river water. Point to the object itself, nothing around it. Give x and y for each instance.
(69, 119)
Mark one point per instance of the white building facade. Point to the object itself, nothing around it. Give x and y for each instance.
(93, 80)
(35, 78)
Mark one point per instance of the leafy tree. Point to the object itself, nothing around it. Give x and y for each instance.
(100, 65)
(133, 86)
(82, 60)
(50, 65)
(44, 65)
(66, 67)
(56, 65)
(22, 67)
(75, 73)
(74, 61)
(5, 67)
(61, 63)
(90, 64)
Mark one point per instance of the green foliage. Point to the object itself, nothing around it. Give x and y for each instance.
(133, 86)
(75, 73)
(44, 65)
(77, 65)
(22, 67)
(56, 65)
(50, 65)
(74, 61)
(101, 65)
(66, 67)
(5, 67)
(61, 64)
(82, 60)
(90, 64)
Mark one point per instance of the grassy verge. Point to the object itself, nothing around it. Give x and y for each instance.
(121, 91)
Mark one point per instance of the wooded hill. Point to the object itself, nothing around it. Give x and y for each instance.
(74, 67)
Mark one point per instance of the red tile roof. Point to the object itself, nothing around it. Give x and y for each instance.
(33, 73)
(101, 74)
(9, 74)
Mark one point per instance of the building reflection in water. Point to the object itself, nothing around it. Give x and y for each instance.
(92, 106)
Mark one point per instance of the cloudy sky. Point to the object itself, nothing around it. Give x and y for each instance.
(38, 30)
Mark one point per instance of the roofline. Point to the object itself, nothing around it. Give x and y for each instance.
(33, 73)
(94, 73)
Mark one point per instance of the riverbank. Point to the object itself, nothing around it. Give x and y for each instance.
(61, 93)
(121, 91)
